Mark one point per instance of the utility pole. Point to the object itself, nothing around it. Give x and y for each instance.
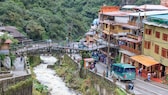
(108, 52)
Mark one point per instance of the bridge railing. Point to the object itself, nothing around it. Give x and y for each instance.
(37, 44)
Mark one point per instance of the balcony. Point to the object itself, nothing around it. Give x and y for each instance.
(132, 36)
(132, 23)
(107, 21)
(130, 49)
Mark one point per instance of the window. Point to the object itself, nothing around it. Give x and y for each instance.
(115, 68)
(156, 49)
(120, 70)
(106, 25)
(129, 70)
(148, 31)
(165, 52)
(112, 27)
(147, 44)
(157, 35)
(165, 37)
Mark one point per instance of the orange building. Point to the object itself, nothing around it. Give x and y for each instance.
(109, 8)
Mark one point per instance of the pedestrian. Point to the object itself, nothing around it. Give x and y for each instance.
(154, 74)
(21, 58)
(140, 71)
(104, 73)
(149, 76)
(95, 70)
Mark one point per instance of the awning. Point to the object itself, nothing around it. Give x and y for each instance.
(89, 59)
(144, 60)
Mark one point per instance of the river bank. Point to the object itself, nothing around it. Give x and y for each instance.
(69, 79)
(83, 81)
(68, 70)
(50, 82)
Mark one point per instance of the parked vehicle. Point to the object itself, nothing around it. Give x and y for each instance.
(123, 71)
(81, 45)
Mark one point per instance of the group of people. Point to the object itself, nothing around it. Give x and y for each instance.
(148, 74)
(92, 65)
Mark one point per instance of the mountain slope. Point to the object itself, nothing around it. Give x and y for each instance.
(55, 19)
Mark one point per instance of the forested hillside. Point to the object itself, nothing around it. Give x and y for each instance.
(41, 19)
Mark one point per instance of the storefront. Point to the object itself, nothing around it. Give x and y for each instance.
(148, 64)
(125, 56)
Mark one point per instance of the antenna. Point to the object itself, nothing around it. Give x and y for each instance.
(145, 12)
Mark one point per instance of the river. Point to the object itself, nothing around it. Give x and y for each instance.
(49, 78)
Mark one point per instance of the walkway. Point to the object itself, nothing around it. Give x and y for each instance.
(55, 46)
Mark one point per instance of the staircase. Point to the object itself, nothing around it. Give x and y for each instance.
(27, 66)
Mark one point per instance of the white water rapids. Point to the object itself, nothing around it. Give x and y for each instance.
(49, 78)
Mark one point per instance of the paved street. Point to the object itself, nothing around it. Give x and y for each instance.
(141, 87)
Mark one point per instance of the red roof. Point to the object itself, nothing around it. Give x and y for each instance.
(8, 41)
(109, 8)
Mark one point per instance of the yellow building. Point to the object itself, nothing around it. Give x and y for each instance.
(155, 46)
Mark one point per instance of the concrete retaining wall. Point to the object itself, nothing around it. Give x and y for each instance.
(7, 83)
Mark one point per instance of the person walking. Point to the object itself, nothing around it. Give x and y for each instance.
(140, 71)
(149, 76)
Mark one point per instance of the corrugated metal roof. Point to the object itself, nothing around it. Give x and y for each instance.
(148, 13)
(12, 31)
(129, 6)
(152, 7)
(165, 16)
(157, 20)
(155, 24)
(116, 13)
(90, 33)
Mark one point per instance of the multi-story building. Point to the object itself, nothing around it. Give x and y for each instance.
(154, 56)
(111, 26)
(131, 45)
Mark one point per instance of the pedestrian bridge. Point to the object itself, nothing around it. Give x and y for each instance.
(43, 46)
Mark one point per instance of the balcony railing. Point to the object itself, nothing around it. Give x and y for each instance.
(132, 36)
(104, 52)
(107, 21)
(130, 49)
(132, 23)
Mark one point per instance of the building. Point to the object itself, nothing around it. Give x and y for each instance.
(89, 41)
(111, 25)
(131, 45)
(5, 46)
(164, 2)
(154, 56)
(13, 31)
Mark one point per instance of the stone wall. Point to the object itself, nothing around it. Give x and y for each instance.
(16, 85)
(108, 88)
